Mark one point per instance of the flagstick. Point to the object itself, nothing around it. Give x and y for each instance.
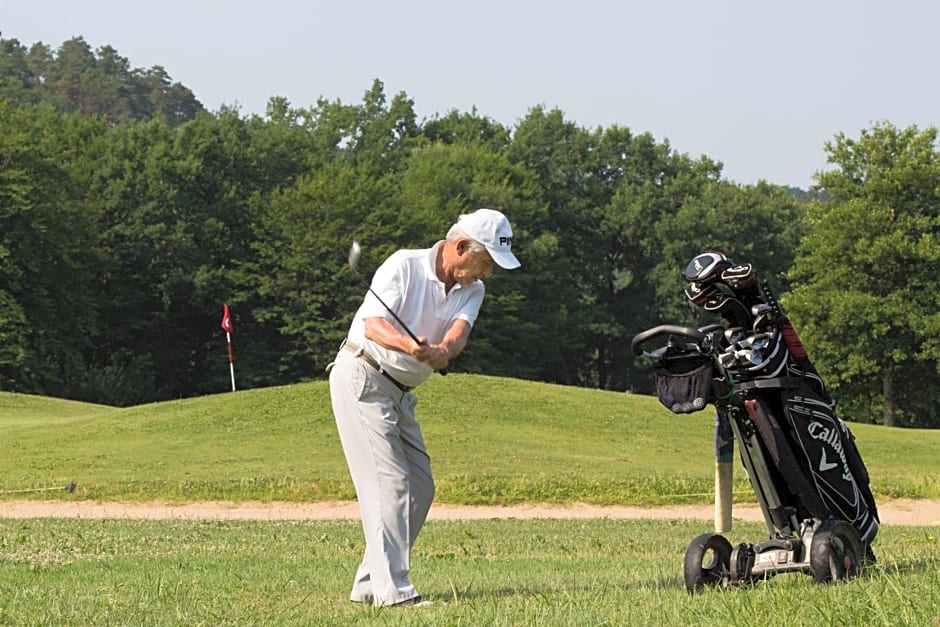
(231, 362)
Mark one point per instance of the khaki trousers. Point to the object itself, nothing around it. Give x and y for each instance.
(390, 470)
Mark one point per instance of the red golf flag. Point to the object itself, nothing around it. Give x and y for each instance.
(227, 327)
(226, 319)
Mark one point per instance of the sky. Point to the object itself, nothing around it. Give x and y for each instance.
(758, 86)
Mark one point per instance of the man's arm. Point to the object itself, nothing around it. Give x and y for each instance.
(382, 331)
(455, 339)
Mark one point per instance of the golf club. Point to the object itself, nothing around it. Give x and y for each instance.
(69, 487)
(355, 251)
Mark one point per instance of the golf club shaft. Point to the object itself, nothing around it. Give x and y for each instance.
(404, 326)
(394, 315)
(354, 253)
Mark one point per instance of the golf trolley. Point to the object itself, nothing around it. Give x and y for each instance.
(800, 458)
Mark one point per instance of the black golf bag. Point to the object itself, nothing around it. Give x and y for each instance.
(800, 458)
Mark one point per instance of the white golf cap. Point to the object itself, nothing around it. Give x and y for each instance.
(491, 228)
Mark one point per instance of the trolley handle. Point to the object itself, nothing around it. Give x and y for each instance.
(664, 329)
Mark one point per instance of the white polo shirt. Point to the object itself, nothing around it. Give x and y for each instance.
(428, 310)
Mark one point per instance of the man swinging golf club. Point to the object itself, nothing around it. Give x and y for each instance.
(414, 319)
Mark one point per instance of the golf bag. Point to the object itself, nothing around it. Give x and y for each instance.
(800, 458)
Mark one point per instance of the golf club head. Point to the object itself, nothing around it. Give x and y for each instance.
(354, 253)
(760, 309)
(733, 334)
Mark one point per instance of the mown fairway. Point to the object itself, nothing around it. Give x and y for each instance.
(491, 440)
(498, 572)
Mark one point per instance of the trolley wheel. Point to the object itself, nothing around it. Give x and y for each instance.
(707, 562)
(835, 552)
(742, 563)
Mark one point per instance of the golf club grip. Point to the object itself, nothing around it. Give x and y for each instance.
(442, 371)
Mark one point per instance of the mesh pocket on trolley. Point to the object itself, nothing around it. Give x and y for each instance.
(685, 388)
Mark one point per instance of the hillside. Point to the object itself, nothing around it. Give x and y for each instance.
(492, 441)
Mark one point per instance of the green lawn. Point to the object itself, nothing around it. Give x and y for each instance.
(491, 440)
(496, 572)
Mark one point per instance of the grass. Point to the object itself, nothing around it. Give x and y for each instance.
(496, 572)
(492, 441)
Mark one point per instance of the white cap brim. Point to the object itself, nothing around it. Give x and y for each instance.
(503, 259)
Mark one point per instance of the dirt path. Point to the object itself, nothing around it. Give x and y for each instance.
(895, 512)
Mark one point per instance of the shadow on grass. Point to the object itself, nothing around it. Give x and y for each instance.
(869, 572)
(903, 567)
(574, 590)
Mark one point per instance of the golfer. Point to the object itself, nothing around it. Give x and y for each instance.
(436, 293)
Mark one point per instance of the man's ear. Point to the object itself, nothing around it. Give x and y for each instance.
(463, 246)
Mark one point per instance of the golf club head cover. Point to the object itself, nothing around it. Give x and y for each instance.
(739, 276)
(707, 267)
(698, 293)
(742, 279)
(730, 308)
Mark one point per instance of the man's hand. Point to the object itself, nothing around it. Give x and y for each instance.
(433, 355)
(437, 356)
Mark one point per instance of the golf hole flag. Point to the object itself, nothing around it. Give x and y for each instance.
(227, 327)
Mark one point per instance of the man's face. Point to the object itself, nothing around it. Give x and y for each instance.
(472, 266)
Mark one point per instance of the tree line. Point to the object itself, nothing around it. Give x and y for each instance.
(75, 78)
(123, 230)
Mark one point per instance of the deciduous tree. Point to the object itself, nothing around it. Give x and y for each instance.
(866, 276)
